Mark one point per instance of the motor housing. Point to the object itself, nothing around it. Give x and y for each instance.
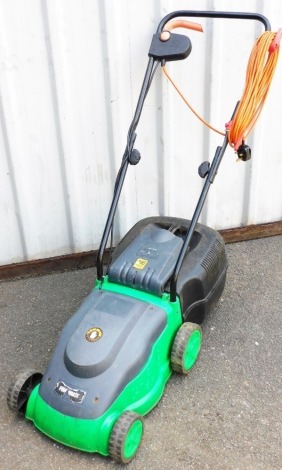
(202, 276)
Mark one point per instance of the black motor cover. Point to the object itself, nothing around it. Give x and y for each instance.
(202, 276)
(148, 261)
(102, 347)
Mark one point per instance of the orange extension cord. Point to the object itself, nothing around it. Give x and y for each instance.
(260, 71)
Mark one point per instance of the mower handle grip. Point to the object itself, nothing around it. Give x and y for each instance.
(182, 24)
(214, 14)
(165, 34)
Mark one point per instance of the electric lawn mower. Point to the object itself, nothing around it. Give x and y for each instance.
(142, 319)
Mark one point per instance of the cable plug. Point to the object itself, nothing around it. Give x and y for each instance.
(244, 152)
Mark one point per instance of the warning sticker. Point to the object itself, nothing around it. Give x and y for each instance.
(74, 395)
(140, 263)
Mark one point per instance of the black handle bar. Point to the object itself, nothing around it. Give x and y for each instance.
(215, 14)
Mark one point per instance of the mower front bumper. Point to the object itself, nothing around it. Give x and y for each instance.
(88, 435)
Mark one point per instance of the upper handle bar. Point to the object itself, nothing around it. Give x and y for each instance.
(214, 14)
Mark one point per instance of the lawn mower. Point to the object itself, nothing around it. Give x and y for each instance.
(143, 318)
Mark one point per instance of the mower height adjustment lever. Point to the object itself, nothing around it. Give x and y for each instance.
(134, 157)
(204, 169)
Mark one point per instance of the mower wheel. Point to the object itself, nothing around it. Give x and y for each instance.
(186, 347)
(126, 437)
(21, 388)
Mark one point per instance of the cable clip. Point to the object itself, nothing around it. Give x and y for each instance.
(276, 41)
(228, 125)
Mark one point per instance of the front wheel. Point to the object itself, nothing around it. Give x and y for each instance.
(21, 388)
(186, 347)
(126, 437)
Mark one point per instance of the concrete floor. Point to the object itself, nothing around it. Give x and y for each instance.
(225, 415)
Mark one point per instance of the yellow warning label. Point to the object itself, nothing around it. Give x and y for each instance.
(140, 263)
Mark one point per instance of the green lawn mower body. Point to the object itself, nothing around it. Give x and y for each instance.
(142, 319)
(114, 354)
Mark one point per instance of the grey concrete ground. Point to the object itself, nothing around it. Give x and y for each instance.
(225, 415)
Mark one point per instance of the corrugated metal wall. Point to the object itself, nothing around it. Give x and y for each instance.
(71, 72)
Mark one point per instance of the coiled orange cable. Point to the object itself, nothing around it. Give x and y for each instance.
(260, 71)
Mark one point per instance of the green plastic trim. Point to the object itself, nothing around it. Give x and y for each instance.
(162, 301)
(140, 395)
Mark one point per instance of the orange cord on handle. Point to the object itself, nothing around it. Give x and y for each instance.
(188, 104)
(260, 71)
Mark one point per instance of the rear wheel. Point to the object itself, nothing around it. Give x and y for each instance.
(126, 437)
(21, 388)
(186, 347)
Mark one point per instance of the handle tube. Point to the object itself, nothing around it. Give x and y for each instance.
(185, 247)
(124, 166)
(215, 14)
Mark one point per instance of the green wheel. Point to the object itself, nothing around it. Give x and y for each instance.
(126, 436)
(186, 347)
(21, 388)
